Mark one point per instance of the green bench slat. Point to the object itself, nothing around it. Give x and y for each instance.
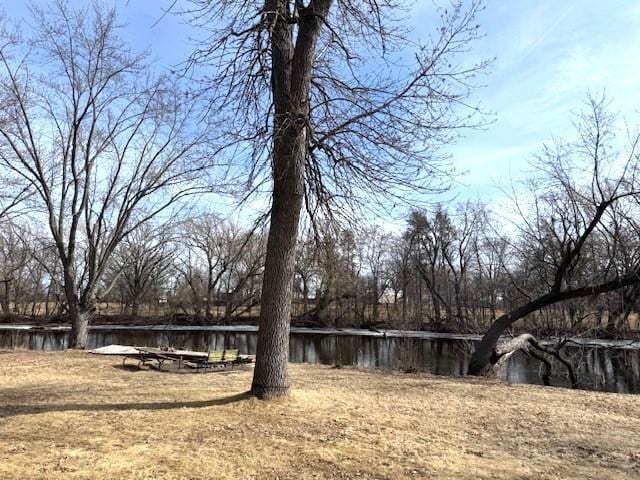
(220, 356)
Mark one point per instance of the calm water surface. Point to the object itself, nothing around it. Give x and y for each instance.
(605, 366)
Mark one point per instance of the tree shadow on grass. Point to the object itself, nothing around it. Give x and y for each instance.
(15, 410)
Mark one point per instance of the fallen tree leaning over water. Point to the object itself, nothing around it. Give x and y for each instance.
(571, 230)
(528, 345)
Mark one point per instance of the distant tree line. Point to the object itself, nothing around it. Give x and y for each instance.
(453, 269)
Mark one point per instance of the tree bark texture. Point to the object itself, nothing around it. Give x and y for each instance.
(79, 327)
(291, 77)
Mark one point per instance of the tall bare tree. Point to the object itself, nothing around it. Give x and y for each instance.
(619, 252)
(432, 241)
(102, 142)
(306, 270)
(141, 262)
(15, 255)
(218, 260)
(314, 92)
(376, 259)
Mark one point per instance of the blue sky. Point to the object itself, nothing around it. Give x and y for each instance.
(549, 54)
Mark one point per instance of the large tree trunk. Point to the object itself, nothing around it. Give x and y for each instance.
(78, 313)
(80, 317)
(270, 378)
(80, 329)
(135, 307)
(291, 77)
(81, 309)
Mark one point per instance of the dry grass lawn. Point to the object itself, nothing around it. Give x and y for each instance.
(72, 415)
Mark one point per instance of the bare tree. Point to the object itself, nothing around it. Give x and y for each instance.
(490, 255)
(11, 197)
(338, 270)
(210, 244)
(190, 282)
(103, 143)
(306, 270)
(375, 245)
(620, 250)
(242, 282)
(219, 262)
(141, 262)
(400, 276)
(578, 186)
(211, 261)
(431, 243)
(15, 255)
(313, 91)
(441, 246)
(468, 218)
(45, 255)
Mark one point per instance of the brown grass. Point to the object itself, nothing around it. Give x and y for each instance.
(72, 415)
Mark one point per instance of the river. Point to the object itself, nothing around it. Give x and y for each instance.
(612, 366)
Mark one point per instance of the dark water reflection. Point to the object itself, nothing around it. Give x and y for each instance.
(605, 369)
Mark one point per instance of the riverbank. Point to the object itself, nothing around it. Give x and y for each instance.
(186, 322)
(67, 415)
